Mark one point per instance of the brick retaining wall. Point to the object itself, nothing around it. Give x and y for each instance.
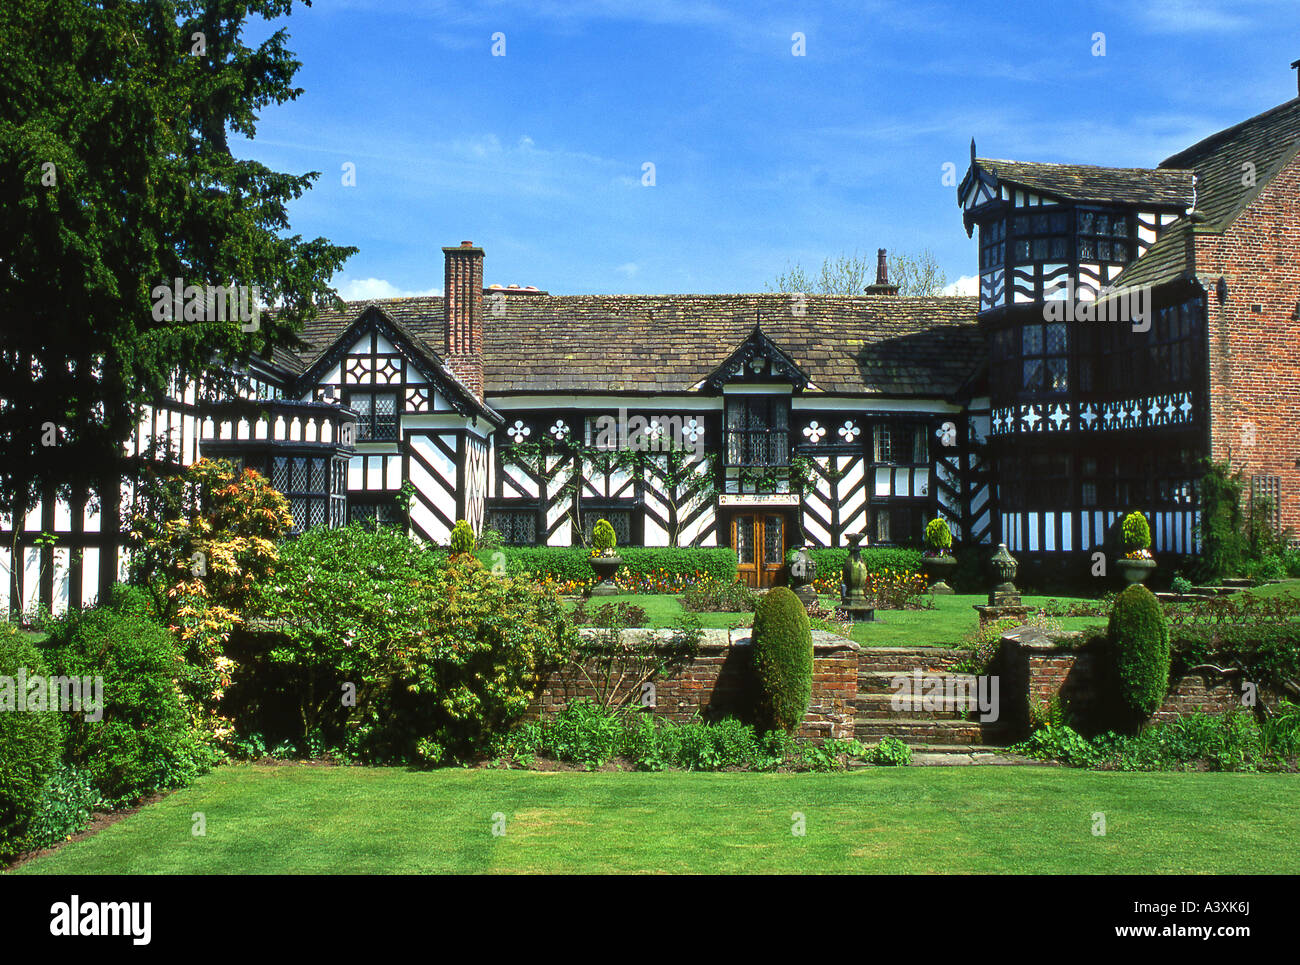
(1038, 669)
(720, 682)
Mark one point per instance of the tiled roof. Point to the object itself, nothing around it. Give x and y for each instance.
(1086, 182)
(1268, 141)
(879, 345)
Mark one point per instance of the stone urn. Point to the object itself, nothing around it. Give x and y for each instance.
(605, 567)
(1135, 571)
(1004, 568)
(803, 570)
(853, 583)
(936, 570)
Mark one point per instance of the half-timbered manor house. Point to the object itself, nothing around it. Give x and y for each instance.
(1019, 415)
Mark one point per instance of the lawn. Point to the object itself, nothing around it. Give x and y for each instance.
(950, 620)
(322, 820)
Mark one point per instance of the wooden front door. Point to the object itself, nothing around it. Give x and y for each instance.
(759, 540)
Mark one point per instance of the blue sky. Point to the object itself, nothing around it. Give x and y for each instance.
(761, 158)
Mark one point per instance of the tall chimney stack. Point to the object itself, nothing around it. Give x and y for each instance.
(462, 312)
(882, 285)
(1295, 65)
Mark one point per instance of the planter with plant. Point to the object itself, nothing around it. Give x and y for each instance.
(604, 559)
(938, 561)
(1137, 562)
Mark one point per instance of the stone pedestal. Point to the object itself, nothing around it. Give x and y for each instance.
(853, 596)
(990, 613)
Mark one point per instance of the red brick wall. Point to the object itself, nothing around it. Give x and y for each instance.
(1042, 674)
(720, 682)
(1255, 356)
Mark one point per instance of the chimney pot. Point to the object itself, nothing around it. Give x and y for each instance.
(882, 285)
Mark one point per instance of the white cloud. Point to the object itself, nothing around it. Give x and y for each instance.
(366, 289)
(965, 285)
(628, 268)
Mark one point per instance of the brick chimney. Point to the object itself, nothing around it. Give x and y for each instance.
(462, 313)
(882, 285)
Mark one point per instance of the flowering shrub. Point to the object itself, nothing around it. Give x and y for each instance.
(400, 655)
(201, 541)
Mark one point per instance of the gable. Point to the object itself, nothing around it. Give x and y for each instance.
(757, 359)
(374, 353)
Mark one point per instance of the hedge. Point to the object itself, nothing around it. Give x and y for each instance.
(30, 744)
(830, 560)
(563, 563)
(144, 740)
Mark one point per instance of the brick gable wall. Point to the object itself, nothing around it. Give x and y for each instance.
(1255, 356)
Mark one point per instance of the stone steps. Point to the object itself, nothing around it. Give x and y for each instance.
(878, 706)
(883, 681)
(924, 730)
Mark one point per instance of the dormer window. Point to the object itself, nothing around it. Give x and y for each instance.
(758, 430)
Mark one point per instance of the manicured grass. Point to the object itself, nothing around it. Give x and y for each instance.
(1285, 588)
(951, 619)
(319, 820)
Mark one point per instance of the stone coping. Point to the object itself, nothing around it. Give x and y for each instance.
(1031, 638)
(720, 639)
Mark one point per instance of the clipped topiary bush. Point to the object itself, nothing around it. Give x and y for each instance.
(603, 536)
(30, 742)
(783, 659)
(1136, 532)
(462, 538)
(1138, 637)
(938, 537)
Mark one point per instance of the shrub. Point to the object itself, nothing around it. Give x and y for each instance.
(66, 804)
(462, 538)
(783, 658)
(444, 657)
(30, 742)
(938, 537)
(1281, 732)
(715, 596)
(1139, 648)
(144, 740)
(1136, 531)
(603, 537)
(890, 752)
(1059, 742)
(1180, 584)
